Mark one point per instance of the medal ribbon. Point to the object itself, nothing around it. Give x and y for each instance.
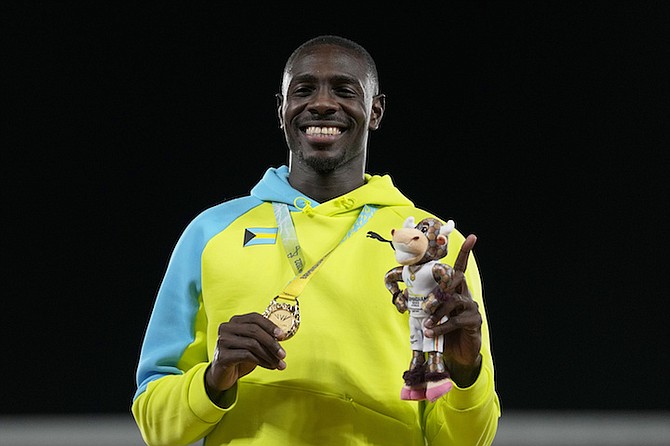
(288, 237)
(294, 254)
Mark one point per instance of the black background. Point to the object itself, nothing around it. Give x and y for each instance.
(124, 122)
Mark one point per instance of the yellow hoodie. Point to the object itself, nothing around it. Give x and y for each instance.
(345, 364)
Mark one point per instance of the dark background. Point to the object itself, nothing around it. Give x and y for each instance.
(124, 122)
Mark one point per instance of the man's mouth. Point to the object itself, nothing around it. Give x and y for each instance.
(322, 131)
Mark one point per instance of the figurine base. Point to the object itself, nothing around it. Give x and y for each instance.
(436, 389)
(413, 393)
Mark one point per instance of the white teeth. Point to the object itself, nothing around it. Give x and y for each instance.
(323, 131)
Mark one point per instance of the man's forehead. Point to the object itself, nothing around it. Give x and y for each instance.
(329, 61)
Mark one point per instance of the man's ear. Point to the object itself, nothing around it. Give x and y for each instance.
(280, 101)
(378, 106)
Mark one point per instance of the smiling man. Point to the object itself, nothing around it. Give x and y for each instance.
(273, 324)
(328, 105)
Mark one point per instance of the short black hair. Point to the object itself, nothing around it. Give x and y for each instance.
(330, 39)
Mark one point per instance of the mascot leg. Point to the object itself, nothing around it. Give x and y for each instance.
(415, 380)
(437, 377)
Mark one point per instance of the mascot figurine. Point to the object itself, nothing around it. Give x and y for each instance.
(418, 249)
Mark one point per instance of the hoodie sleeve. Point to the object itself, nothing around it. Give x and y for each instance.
(171, 405)
(467, 416)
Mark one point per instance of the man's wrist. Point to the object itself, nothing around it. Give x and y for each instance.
(464, 375)
(222, 398)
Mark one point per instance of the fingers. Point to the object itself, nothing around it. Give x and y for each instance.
(462, 259)
(251, 339)
(463, 313)
(468, 321)
(248, 323)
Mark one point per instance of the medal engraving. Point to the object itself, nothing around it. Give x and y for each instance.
(284, 316)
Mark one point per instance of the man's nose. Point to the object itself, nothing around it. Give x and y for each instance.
(323, 102)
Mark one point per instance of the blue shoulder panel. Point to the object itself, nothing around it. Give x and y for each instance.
(171, 326)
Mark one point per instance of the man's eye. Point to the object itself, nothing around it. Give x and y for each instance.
(346, 93)
(302, 91)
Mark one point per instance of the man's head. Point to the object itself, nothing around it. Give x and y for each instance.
(329, 102)
(337, 41)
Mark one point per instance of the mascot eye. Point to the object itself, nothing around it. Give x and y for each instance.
(424, 229)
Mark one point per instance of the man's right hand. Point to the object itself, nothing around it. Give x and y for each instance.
(244, 342)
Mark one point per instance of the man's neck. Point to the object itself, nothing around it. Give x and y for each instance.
(325, 186)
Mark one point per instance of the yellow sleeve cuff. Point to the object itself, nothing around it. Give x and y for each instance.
(199, 401)
(463, 399)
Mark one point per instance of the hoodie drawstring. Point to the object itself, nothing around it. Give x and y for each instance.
(306, 207)
(345, 202)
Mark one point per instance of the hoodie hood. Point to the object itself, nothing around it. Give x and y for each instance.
(378, 190)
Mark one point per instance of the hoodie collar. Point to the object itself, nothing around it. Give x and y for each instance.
(378, 190)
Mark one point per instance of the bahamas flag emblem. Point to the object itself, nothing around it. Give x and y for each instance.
(260, 236)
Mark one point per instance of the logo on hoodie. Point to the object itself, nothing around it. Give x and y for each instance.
(260, 236)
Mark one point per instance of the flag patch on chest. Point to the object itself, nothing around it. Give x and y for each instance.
(260, 236)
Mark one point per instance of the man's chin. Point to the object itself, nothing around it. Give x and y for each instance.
(322, 164)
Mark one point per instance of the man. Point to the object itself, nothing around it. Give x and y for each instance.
(322, 362)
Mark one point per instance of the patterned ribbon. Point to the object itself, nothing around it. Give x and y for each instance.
(294, 254)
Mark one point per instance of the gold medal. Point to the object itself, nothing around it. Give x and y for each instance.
(284, 316)
(412, 271)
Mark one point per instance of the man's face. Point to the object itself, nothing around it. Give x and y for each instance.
(327, 107)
